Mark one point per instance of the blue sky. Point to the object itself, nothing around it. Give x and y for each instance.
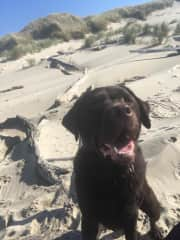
(15, 14)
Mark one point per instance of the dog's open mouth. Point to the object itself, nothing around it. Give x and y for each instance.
(116, 152)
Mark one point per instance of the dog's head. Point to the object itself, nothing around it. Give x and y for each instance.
(108, 119)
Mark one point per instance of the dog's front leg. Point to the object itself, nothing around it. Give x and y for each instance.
(151, 206)
(130, 227)
(89, 228)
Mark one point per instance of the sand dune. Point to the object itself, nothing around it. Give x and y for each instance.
(37, 198)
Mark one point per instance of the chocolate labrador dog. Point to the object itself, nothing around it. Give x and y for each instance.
(109, 167)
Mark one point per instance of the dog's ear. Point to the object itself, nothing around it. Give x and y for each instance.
(72, 118)
(144, 109)
(70, 121)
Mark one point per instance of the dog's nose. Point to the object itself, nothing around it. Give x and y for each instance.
(127, 110)
(123, 110)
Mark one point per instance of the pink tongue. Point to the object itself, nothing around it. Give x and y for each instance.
(129, 148)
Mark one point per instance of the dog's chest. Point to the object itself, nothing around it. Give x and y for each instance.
(115, 183)
(105, 181)
(113, 194)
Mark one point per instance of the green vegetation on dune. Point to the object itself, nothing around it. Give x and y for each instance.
(42, 33)
(142, 11)
(62, 26)
(131, 32)
(138, 12)
(57, 28)
(22, 46)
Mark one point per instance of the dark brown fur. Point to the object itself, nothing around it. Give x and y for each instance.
(110, 191)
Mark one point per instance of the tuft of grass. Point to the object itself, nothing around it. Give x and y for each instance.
(147, 30)
(131, 32)
(96, 25)
(160, 32)
(15, 53)
(78, 35)
(23, 48)
(89, 41)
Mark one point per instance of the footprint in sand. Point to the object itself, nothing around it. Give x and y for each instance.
(172, 139)
(4, 180)
(174, 200)
(177, 198)
(163, 106)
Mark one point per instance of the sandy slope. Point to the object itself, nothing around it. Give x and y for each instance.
(44, 54)
(173, 13)
(40, 86)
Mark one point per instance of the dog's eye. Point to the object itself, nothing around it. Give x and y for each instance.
(127, 99)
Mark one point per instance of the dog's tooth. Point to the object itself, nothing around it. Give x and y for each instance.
(116, 150)
(107, 145)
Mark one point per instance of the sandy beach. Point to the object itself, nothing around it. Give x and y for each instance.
(36, 152)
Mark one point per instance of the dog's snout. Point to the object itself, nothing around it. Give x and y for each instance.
(123, 109)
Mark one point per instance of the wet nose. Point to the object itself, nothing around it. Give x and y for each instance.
(127, 110)
(123, 110)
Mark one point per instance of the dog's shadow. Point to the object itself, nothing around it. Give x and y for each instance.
(76, 235)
